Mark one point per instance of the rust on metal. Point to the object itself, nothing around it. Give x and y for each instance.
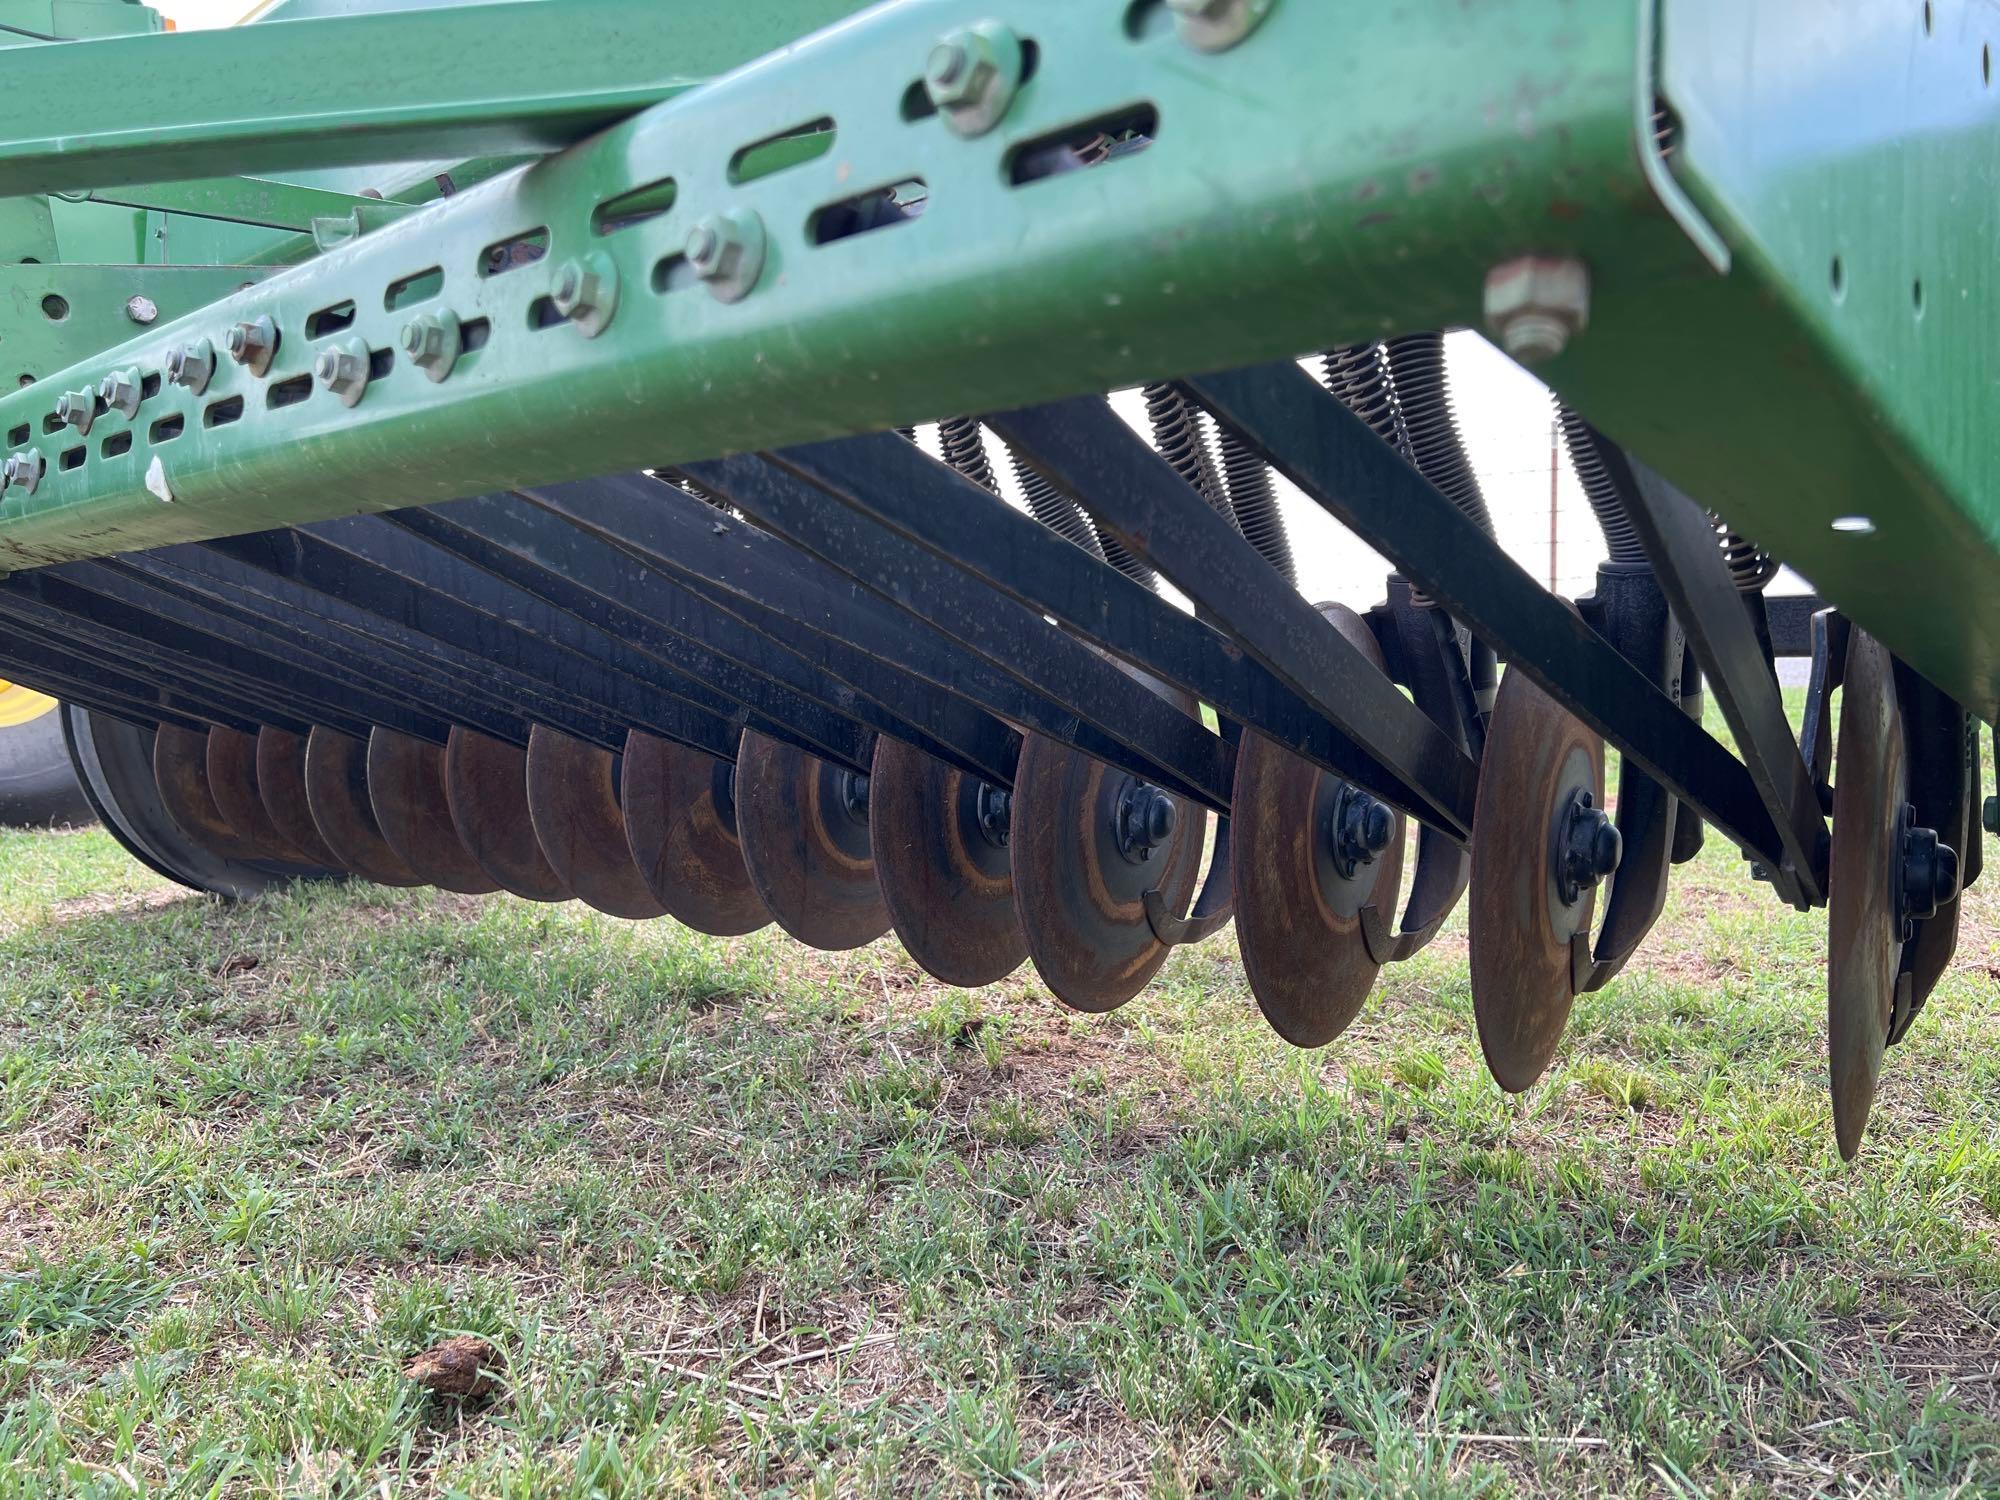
(337, 793)
(804, 826)
(281, 787)
(180, 767)
(406, 789)
(1079, 897)
(943, 859)
(232, 781)
(1864, 932)
(486, 788)
(1299, 903)
(680, 821)
(1523, 935)
(573, 804)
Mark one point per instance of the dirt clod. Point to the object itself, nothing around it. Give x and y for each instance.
(460, 1366)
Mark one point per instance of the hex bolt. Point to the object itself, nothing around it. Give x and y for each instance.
(343, 370)
(727, 252)
(1929, 874)
(1535, 305)
(23, 470)
(1217, 25)
(1591, 848)
(1362, 826)
(854, 795)
(141, 308)
(1147, 818)
(251, 344)
(191, 365)
(430, 342)
(120, 392)
(77, 409)
(586, 292)
(973, 74)
(996, 814)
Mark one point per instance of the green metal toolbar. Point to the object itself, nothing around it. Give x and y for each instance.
(352, 90)
(724, 271)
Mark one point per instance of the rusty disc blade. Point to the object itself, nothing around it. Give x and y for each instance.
(232, 781)
(680, 821)
(573, 804)
(948, 882)
(281, 787)
(1298, 904)
(180, 767)
(1079, 897)
(406, 789)
(1538, 757)
(486, 788)
(1864, 934)
(337, 793)
(804, 829)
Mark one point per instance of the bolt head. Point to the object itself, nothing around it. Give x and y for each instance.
(1535, 304)
(578, 290)
(119, 391)
(971, 75)
(704, 250)
(141, 309)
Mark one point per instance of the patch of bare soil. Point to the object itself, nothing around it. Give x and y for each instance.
(104, 904)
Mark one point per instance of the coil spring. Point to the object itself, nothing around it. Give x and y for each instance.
(965, 450)
(1750, 567)
(1052, 508)
(963, 445)
(1255, 504)
(1607, 501)
(1178, 434)
(1359, 375)
(1423, 394)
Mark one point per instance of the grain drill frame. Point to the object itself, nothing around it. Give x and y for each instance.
(472, 445)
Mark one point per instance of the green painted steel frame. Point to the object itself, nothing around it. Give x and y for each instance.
(516, 76)
(1345, 172)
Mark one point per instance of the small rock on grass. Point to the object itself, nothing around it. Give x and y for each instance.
(460, 1366)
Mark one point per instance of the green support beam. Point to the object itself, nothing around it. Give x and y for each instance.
(519, 76)
(248, 200)
(61, 313)
(1344, 172)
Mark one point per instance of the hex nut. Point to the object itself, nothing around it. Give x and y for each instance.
(973, 74)
(191, 365)
(120, 392)
(23, 470)
(1217, 25)
(77, 409)
(430, 342)
(252, 344)
(1535, 304)
(586, 292)
(727, 252)
(343, 370)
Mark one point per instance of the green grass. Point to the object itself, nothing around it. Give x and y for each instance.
(749, 1219)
